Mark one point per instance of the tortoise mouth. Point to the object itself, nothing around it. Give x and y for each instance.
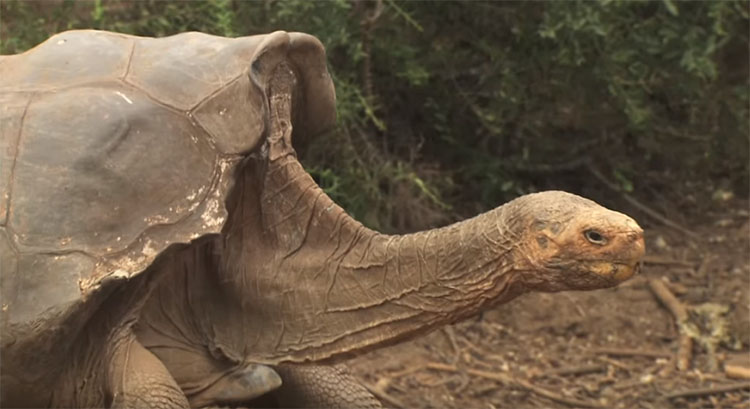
(616, 271)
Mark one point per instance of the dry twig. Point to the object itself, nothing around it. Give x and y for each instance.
(632, 383)
(573, 370)
(679, 311)
(379, 390)
(616, 364)
(700, 272)
(486, 355)
(709, 391)
(451, 335)
(665, 296)
(406, 371)
(676, 288)
(512, 380)
(684, 352)
(663, 261)
(736, 371)
(368, 24)
(631, 352)
(507, 379)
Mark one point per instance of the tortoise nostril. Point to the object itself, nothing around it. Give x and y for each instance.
(634, 236)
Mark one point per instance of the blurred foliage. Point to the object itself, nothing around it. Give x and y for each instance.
(449, 108)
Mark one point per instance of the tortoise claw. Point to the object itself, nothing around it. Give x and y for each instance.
(241, 385)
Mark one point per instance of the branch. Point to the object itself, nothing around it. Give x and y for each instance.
(533, 388)
(630, 352)
(573, 370)
(367, 24)
(662, 261)
(709, 391)
(512, 380)
(379, 390)
(668, 299)
(679, 311)
(736, 371)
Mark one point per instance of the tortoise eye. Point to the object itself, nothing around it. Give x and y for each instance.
(594, 237)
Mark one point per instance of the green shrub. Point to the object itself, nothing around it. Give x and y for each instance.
(448, 108)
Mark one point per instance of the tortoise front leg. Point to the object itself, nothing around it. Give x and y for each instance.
(138, 379)
(322, 386)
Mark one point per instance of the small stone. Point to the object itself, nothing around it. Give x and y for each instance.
(661, 243)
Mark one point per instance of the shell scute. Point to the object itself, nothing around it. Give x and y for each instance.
(97, 166)
(184, 69)
(68, 59)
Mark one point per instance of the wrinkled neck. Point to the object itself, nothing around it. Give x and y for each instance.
(316, 284)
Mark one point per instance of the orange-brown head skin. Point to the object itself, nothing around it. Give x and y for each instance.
(571, 243)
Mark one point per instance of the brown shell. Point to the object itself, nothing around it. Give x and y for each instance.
(114, 147)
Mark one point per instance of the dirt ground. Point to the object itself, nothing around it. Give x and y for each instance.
(616, 348)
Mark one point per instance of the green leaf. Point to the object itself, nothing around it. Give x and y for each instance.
(671, 7)
(625, 183)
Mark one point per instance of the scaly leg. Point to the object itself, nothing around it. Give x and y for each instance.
(140, 380)
(321, 386)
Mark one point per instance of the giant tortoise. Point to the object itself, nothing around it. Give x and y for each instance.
(163, 247)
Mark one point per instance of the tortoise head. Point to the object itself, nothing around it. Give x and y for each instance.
(572, 243)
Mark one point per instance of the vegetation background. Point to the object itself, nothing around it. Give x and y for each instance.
(450, 108)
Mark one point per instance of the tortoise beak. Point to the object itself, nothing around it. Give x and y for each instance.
(637, 250)
(616, 272)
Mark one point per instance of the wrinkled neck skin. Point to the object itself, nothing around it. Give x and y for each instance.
(313, 284)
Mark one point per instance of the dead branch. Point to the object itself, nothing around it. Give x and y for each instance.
(616, 364)
(662, 293)
(676, 288)
(736, 371)
(367, 25)
(703, 267)
(628, 384)
(441, 367)
(684, 352)
(645, 209)
(709, 391)
(572, 370)
(512, 380)
(507, 379)
(406, 371)
(679, 311)
(483, 353)
(451, 335)
(702, 377)
(663, 261)
(631, 352)
(379, 390)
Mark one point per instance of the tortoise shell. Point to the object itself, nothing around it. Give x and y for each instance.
(114, 147)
